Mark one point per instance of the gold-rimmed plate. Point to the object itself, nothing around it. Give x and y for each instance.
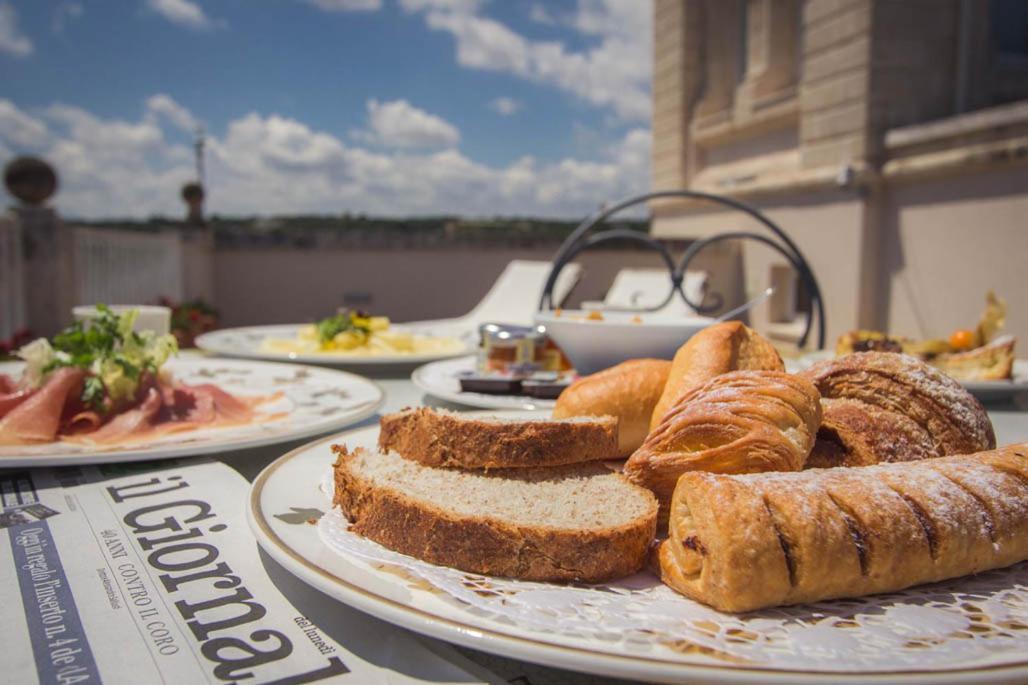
(971, 630)
(307, 401)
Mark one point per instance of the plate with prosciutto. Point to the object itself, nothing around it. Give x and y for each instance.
(103, 392)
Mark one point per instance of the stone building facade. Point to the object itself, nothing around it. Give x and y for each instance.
(888, 137)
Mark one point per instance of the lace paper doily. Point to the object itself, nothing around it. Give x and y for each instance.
(966, 622)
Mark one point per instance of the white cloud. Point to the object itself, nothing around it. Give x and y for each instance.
(269, 164)
(164, 106)
(12, 40)
(347, 5)
(182, 12)
(615, 73)
(505, 106)
(399, 124)
(19, 129)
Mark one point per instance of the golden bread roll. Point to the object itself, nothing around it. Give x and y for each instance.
(717, 349)
(739, 422)
(884, 407)
(740, 543)
(628, 391)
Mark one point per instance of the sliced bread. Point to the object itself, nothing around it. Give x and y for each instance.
(451, 440)
(570, 523)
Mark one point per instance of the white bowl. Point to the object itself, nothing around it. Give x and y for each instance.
(151, 317)
(593, 345)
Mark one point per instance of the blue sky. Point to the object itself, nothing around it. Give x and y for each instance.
(386, 106)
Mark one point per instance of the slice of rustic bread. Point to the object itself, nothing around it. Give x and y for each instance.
(581, 522)
(448, 439)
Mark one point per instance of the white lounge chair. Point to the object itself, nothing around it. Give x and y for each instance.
(514, 297)
(645, 288)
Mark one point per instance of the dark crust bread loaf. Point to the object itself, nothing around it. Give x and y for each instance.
(485, 544)
(886, 407)
(445, 439)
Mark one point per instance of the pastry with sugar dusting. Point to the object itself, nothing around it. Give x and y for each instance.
(740, 543)
(886, 407)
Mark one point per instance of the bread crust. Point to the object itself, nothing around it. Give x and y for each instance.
(853, 433)
(738, 422)
(483, 544)
(884, 407)
(628, 391)
(740, 543)
(717, 349)
(450, 440)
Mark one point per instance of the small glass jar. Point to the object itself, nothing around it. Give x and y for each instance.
(505, 349)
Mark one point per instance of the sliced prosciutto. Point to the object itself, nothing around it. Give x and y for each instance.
(11, 395)
(130, 423)
(227, 407)
(171, 409)
(37, 418)
(101, 382)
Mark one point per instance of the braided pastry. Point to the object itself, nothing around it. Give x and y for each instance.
(885, 407)
(739, 422)
(740, 543)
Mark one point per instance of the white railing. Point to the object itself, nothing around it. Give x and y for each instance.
(12, 283)
(119, 267)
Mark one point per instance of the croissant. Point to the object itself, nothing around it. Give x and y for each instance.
(884, 407)
(740, 543)
(739, 422)
(717, 349)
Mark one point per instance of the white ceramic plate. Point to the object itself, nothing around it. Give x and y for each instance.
(442, 380)
(983, 390)
(248, 343)
(971, 630)
(314, 401)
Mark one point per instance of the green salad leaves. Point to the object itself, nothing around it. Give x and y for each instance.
(115, 357)
(347, 320)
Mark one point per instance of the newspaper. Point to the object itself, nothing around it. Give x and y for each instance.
(148, 573)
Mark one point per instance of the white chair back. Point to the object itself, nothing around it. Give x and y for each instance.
(644, 288)
(514, 297)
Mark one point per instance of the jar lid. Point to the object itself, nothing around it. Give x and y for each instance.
(500, 332)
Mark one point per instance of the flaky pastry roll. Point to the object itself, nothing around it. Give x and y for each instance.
(748, 542)
(739, 422)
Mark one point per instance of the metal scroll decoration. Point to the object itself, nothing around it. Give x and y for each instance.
(581, 239)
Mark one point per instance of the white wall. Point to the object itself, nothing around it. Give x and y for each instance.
(279, 285)
(947, 241)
